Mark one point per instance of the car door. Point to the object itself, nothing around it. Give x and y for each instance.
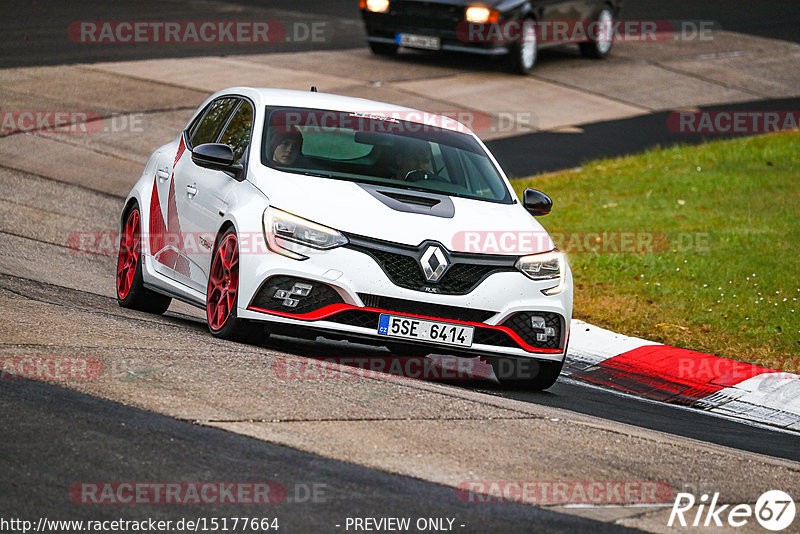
(204, 193)
(179, 234)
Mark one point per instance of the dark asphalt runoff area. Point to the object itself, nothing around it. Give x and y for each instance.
(54, 437)
(527, 155)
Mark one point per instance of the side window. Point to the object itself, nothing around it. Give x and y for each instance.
(208, 128)
(237, 134)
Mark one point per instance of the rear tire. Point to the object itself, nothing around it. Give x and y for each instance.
(131, 292)
(383, 49)
(222, 295)
(600, 45)
(532, 375)
(524, 53)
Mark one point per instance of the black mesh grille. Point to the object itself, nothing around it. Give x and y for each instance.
(493, 337)
(424, 308)
(404, 271)
(522, 325)
(426, 15)
(363, 319)
(482, 336)
(321, 295)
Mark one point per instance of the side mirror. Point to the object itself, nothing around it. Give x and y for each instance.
(215, 156)
(536, 202)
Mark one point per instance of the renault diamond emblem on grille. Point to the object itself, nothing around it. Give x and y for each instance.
(433, 263)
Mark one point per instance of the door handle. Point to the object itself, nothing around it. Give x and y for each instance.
(163, 175)
(191, 191)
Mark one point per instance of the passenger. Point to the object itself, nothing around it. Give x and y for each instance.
(285, 147)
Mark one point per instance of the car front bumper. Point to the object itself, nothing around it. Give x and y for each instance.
(360, 291)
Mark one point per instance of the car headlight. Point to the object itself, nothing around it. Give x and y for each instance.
(481, 15)
(376, 6)
(289, 234)
(547, 266)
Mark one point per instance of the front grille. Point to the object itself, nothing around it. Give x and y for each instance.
(482, 336)
(486, 336)
(426, 15)
(321, 295)
(422, 308)
(360, 318)
(522, 325)
(401, 265)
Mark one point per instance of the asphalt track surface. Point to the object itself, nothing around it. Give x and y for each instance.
(530, 154)
(53, 434)
(590, 400)
(80, 438)
(35, 32)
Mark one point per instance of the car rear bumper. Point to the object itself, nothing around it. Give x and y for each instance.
(453, 45)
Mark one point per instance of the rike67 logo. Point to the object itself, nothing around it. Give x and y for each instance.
(774, 510)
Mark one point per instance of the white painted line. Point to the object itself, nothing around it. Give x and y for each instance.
(772, 398)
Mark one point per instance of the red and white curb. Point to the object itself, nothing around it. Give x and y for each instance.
(684, 377)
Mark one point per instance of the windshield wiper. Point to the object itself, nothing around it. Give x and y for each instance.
(318, 174)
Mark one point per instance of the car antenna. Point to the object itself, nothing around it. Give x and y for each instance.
(313, 88)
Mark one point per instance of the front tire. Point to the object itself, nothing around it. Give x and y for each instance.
(524, 53)
(532, 375)
(600, 44)
(222, 294)
(131, 292)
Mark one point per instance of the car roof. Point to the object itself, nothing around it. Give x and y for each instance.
(328, 101)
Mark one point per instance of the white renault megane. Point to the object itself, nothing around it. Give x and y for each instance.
(305, 213)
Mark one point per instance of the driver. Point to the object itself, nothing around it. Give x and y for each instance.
(285, 147)
(412, 155)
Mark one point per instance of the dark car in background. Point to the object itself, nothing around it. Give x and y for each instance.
(512, 29)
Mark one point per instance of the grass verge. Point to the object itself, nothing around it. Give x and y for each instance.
(711, 241)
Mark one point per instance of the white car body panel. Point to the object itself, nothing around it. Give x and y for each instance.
(342, 205)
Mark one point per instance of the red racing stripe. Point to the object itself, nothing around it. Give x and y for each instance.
(333, 309)
(669, 374)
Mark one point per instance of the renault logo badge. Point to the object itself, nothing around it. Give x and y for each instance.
(434, 263)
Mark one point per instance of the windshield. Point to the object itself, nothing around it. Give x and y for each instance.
(377, 149)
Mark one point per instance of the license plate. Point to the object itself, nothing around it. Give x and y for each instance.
(423, 330)
(419, 41)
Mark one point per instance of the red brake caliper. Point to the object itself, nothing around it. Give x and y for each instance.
(223, 282)
(129, 249)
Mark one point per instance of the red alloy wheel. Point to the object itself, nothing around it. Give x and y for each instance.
(223, 282)
(130, 248)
